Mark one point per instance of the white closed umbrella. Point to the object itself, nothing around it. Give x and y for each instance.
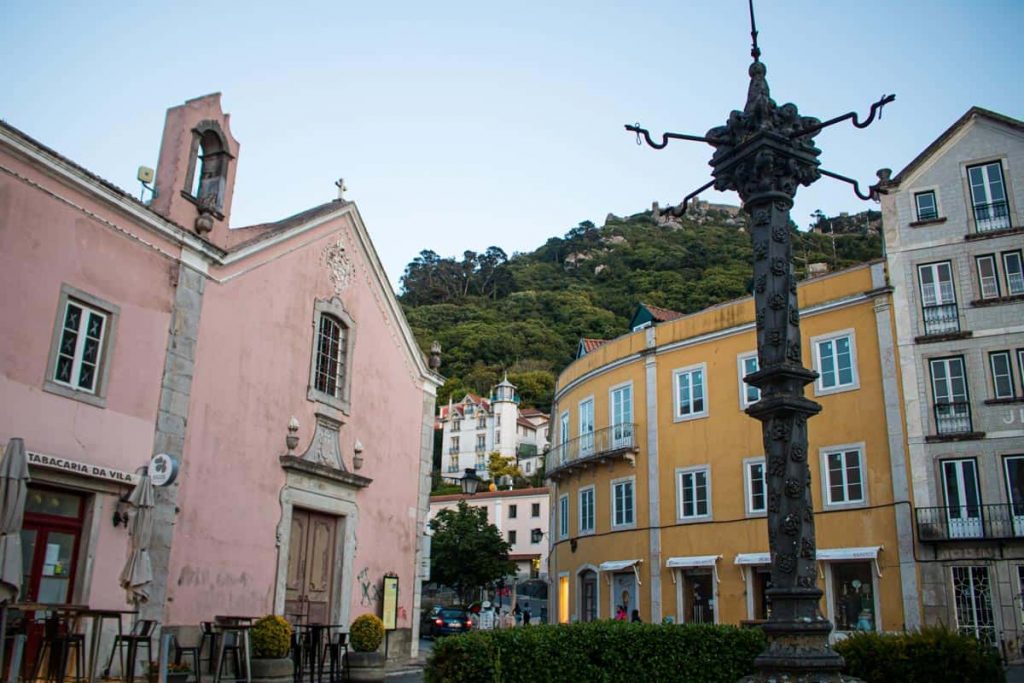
(13, 490)
(137, 574)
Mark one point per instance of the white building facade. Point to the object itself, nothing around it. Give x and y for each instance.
(475, 427)
(954, 231)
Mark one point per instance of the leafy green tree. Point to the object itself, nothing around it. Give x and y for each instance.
(500, 466)
(467, 552)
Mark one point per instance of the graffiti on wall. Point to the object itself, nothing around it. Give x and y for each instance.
(370, 592)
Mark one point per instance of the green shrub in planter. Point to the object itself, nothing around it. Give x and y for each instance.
(366, 633)
(271, 637)
(598, 651)
(934, 654)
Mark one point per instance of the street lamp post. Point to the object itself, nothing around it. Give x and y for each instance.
(470, 482)
(765, 153)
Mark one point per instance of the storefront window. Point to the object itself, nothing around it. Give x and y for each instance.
(854, 596)
(698, 598)
(51, 502)
(50, 538)
(762, 582)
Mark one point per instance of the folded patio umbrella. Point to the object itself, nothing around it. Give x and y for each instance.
(138, 573)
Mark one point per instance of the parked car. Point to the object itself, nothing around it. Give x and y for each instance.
(449, 621)
(427, 619)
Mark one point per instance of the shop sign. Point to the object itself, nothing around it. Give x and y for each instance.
(163, 469)
(390, 607)
(84, 469)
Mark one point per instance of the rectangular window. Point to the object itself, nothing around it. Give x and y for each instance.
(622, 416)
(563, 429)
(1014, 466)
(587, 427)
(963, 498)
(844, 477)
(481, 442)
(690, 392)
(456, 425)
(938, 298)
(949, 391)
(853, 596)
(694, 493)
(455, 445)
(927, 209)
(535, 509)
(749, 394)
(587, 510)
(1002, 374)
(1014, 273)
(988, 278)
(622, 503)
(79, 360)
(513, 511)
(835, 361)
(511, 536)
(563, 516)
(755, 485)
(972, 595)
(330, 356)
(988, 197)
(81, 344)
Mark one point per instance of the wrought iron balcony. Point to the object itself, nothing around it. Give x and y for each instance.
(454, 466)
(994, 216)
(953, 418)
(970, 522)
(617, 441)
(453, 449)
(941, 319)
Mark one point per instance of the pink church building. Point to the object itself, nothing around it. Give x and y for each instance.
(272, 362)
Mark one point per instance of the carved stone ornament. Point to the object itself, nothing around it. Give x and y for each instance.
(339, 265)
(324, 448)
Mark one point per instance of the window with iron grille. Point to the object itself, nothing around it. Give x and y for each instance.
(988, 197)
(938, 298)
(949, 391)
(972, 595)
(332, 355)
(81, 346)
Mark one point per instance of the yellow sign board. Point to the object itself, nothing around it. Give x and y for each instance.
(390, 616)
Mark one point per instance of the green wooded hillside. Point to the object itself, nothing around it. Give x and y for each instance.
(525, 314)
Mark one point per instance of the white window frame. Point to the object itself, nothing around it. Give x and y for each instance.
(583, 531)
(563, 516)
(97, 394)
(1012, 289)
(615, 483)
(336, 310)
(826, 488)
(748, 486)
(702, 368)
(996, 394)
(917, 206)
(622, 425)
(586, 446)
(988, 284)
(681, 472)
(741, 361)
(816, 344)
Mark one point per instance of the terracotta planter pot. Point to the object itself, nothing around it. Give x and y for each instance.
(366, 666)
(273, 670)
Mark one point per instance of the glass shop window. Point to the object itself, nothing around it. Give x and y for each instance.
(854, 595)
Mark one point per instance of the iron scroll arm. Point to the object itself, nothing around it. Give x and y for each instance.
(680, 210)
(635, 128)
(876, 108)
(873, 190)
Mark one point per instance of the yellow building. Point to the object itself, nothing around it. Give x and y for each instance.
(657, 475)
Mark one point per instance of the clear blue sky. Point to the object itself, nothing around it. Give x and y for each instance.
(460, 125)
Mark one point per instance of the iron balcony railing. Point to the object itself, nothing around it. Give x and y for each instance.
(953, 418)
(941, 319)
(994, 216)
(966, 522)
(454, 466)
(480, 449)
(453, 449)
(599, 444)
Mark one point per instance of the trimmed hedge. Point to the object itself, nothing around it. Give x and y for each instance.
(934, 654)
(597, 651)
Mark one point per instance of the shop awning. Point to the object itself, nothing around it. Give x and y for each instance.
(753, 558)
(694, 561)
(620, 565)
(864, 553)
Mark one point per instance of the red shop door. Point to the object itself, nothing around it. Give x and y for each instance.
(50, 539)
